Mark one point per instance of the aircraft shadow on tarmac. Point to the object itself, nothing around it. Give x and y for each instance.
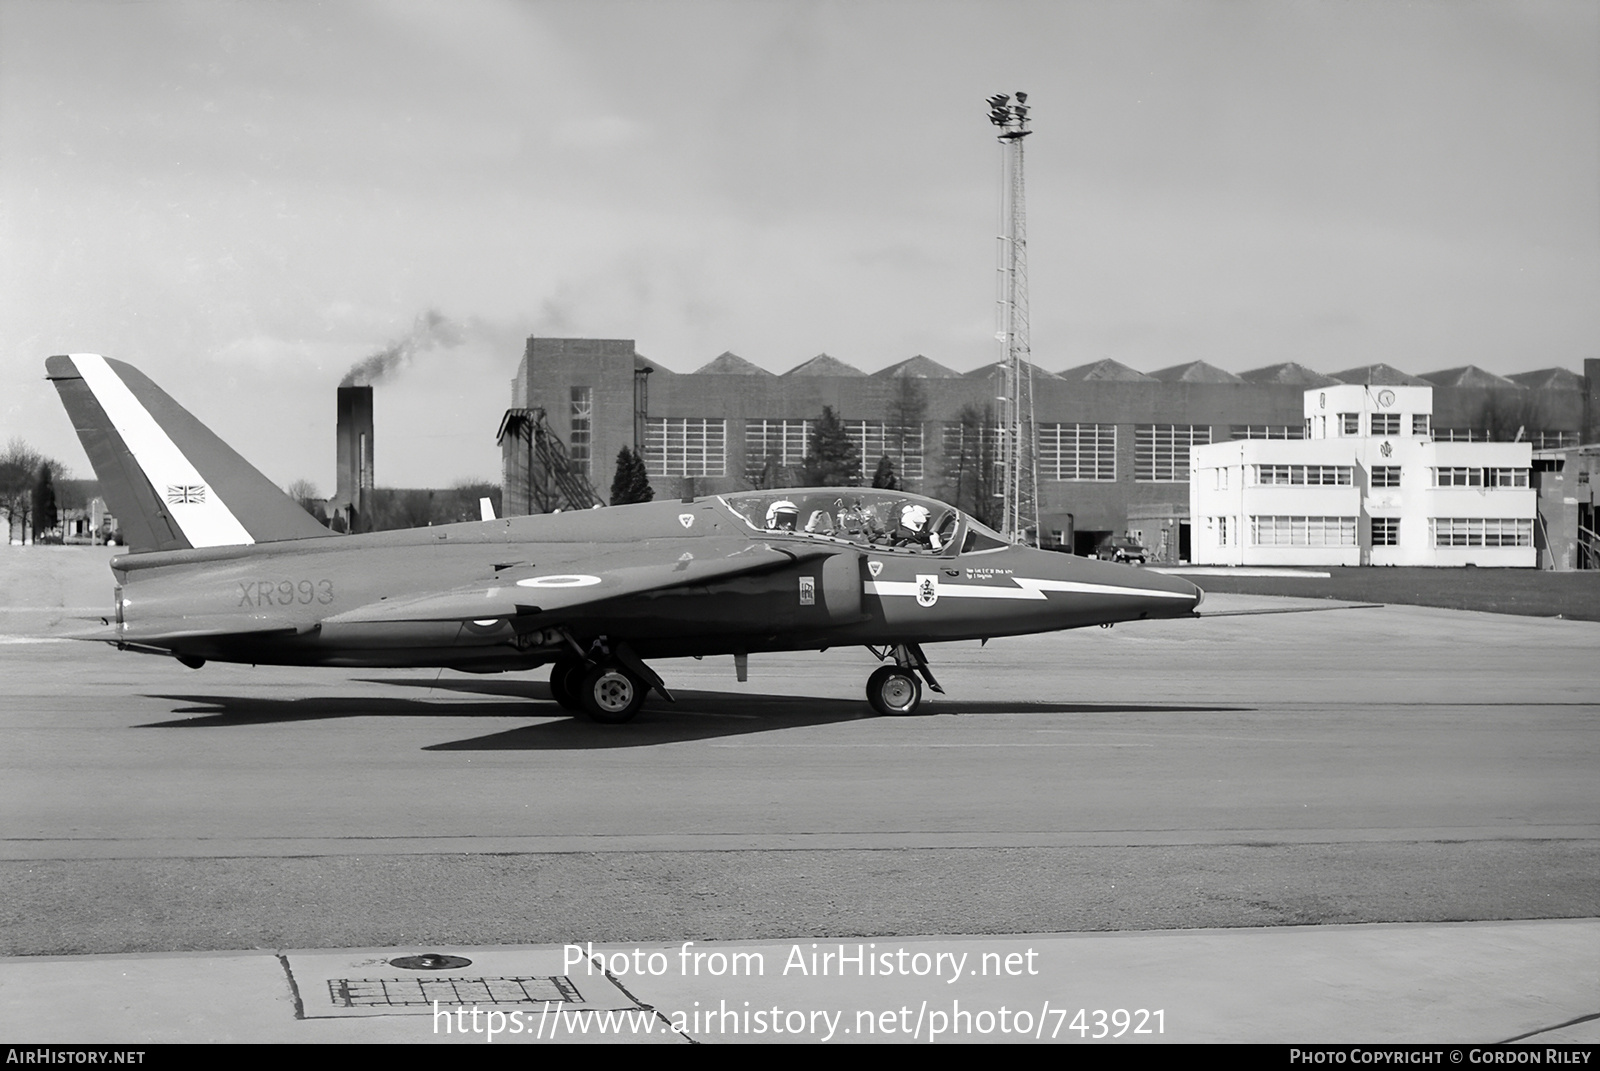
(696, 715)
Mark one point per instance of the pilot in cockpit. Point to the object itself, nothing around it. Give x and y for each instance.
(912, 530)
(783, 516)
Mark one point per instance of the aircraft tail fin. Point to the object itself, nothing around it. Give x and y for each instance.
(170, 482)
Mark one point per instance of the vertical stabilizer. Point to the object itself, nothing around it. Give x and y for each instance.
(170, 481)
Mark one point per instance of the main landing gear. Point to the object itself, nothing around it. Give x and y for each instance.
(895, 689)
(609, 686)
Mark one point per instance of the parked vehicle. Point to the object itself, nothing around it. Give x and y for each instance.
(1122, 548)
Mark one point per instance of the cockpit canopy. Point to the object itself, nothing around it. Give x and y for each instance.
(882, 520)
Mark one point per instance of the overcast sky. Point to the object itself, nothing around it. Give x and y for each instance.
(244, 199)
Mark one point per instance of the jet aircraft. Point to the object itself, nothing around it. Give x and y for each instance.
(224, 566)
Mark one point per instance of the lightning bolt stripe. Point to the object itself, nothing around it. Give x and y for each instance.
(1027, 588)
(206, 520)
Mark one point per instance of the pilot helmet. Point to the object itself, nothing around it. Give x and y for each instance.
(783, 514)
(914, 518)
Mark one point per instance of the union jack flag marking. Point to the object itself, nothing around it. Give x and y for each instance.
(187, 493)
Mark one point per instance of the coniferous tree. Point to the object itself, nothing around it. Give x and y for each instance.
(832, 460)
(44, 501)
(885, 478)
(632, 480)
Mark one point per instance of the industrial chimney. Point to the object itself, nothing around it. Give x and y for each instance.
(353, 446)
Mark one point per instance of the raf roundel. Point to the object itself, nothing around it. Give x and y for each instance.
(561, 580)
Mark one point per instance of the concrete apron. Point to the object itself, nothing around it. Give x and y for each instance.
(1466, 983)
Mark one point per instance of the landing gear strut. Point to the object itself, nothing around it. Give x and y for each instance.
(895, 690)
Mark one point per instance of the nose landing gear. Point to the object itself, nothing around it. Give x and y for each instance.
(895, 690)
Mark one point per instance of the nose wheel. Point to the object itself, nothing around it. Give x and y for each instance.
(894, 691)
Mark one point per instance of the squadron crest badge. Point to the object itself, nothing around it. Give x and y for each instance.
(874, 568)
(686, 519)
(927, 589)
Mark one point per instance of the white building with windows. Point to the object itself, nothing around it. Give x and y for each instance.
(1368, 485)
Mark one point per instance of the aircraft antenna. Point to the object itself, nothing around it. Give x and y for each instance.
(1019, 477)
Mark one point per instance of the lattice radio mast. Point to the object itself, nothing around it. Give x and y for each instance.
(1018, 449)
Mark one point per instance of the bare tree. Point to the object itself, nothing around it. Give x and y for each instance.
(969, 463)
(903, 417)
(1505, 414)
(305, 493)
(20, 466)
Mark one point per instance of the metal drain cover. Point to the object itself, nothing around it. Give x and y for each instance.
(430, 961)
(450, 992)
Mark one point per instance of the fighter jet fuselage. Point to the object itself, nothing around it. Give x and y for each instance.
(381, 599)
(226, 567)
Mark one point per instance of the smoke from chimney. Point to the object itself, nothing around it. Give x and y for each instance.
(432, 330)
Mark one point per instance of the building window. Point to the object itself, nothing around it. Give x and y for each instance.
(784, 441)
(1222, 531)
(1220, 480)
(1419, 425)
(1473, 477)
(1077, 451)
(874, 439)
(1386, 423)
(1386, 475)
(905, 445)
(580, 442)
(1553, 440)
(1303, 531)
(1459, 435)
(957, 440)
(1505, 477)
(1302, 475)
(1161, 451)
(686, 446)
(1386, 531)
(1271, 431)
(1457, 477)
(1481, 531)
(1349, 423)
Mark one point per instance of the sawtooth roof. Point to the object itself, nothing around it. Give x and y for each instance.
(1195, 372)
(1549, 379)
(1467, 376)
(1380, 375)
(823, 365)
(1106, 369)
(918, 367)
(729, 363)
(998, 367)
(1288, 373)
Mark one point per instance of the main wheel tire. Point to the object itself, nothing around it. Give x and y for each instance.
(566, 676)
(611, 694)
(894, 691)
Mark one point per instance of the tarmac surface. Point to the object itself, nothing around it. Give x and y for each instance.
(1351, 825)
